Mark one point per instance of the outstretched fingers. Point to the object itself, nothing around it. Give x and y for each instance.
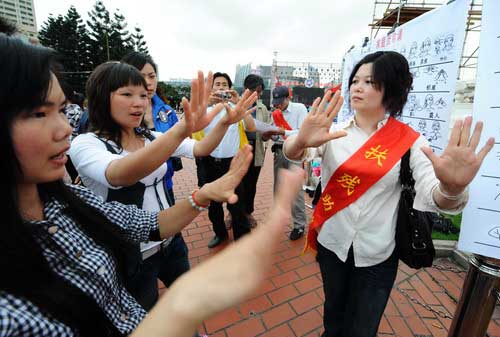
(335, 105)
(486, 148)
(324, 101)
(465, 132)
(315, 107)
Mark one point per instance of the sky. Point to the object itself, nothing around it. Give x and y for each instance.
(186, 35)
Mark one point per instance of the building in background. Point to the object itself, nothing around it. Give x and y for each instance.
(307, 79)
(22, 14)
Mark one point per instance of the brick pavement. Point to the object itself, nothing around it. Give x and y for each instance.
(289, 302)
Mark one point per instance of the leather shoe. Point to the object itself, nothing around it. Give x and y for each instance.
(216, 241)
(296, 233)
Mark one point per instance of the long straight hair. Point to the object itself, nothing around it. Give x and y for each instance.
(29, 70)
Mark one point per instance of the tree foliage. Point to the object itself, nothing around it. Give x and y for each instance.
(83, 46)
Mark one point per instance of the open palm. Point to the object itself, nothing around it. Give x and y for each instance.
(459, 163)
(315, 129)
(196, 117)
(241, 109)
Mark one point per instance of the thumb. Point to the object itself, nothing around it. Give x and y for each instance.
(430, 154)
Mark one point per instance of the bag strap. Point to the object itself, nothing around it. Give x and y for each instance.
(405, 173)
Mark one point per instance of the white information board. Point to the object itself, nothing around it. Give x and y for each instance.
(480, 232)
(432, 43)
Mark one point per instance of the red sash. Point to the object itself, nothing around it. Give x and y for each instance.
(279, 120)
(360, 172)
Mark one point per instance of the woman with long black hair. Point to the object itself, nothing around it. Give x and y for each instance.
(62, 247)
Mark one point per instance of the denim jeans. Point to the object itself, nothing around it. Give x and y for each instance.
(355, 297)
(167, 265)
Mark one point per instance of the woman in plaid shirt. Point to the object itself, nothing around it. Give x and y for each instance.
(61, 248)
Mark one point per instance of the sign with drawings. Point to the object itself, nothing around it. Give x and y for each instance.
(432, 44)
(480, 231)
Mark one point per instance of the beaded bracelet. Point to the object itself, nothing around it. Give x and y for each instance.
(450, 197)
(196, 205)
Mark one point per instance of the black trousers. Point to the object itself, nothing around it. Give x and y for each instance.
(214, 168)
(355, 297)
(249, 182)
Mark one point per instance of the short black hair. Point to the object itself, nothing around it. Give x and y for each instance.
(139, 60)
(105, 79)
(252, 81)
(390, 72)
(226, 76)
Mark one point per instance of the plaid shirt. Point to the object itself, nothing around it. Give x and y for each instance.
(73, 114)
(77, 258)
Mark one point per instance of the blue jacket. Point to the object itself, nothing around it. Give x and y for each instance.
(164, 117)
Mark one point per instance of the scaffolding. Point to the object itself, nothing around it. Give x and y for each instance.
(389, 14)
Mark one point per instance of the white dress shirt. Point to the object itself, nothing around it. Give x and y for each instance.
(230, 143)
(294, 114)
(369, 223)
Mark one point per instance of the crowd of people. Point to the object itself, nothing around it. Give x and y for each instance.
(97, 243)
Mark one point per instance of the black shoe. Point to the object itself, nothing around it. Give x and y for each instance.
(216, 241)
(296, 233)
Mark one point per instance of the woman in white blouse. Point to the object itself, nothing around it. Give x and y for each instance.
(356, 243)
(121, 160)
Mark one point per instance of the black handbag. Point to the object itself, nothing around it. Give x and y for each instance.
(413, 228)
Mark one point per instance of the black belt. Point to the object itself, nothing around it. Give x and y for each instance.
(219, 160)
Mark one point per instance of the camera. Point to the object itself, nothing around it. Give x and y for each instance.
(225, 95)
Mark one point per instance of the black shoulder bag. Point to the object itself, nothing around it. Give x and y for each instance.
(413, 228)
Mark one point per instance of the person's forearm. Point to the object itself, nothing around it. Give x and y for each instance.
(170, 317)
(293, 149)
(139, 164)
(208, 144)
(172, 220)
(249, 123)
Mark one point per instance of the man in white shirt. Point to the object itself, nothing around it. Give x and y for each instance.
(217, 164)
(294, 114)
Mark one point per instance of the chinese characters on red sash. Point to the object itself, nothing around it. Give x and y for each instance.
(360, 172)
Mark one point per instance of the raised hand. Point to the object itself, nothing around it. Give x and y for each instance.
(222, 189)
(241, 109)
(459, 163)
(203, 291)
(195, 110)
(315, 130)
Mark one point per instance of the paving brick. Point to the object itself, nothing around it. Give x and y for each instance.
(308, 284)
(280, 331)
(417, 326)
(435, 327)
(283, 294)
(290, 264)
(399, 326)
(248, 328)
(307, 322)
(278, 315)
(306, 302)
(255, 306)
(384, 326)
(308, 270)
(423, 291)
(284, 279)
(222, 320)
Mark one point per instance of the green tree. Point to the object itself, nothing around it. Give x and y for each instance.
(120, 41)
(51, 33)
(99, 24)
(172, 94)
(138, 41)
